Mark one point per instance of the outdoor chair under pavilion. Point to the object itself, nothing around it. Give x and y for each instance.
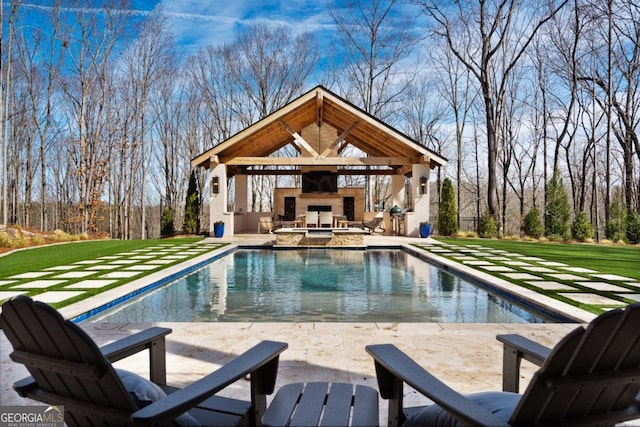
(68, 368)
(374, 225)
(267, 225)
(325, 219)
(311, 219)
(591, 377)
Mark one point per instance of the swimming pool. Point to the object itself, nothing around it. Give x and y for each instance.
(320, 285)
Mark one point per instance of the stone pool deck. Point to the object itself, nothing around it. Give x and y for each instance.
(466, 356)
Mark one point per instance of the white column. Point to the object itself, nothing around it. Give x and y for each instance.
(420, 197)
(241, 201)
(218, 201)
(397, 191)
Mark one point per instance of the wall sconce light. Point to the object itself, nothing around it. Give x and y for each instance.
(423, 185)
(215, 185)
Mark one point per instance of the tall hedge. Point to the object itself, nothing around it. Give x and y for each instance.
(532, 225)
(448, 213)
(192, 207)
(633, 227)
(166, 223)
(487, 227)
(556, 210)
(582, 229)
(615, 228)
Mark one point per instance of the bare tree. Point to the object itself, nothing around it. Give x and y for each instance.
(147, 60)
(619, 81)
(376, 45)
(89, 41)
(490, 38)
(36, 53)
(540, 115)
(374, 63)
(272, 66)
(423, 113)
(456, 89)
(210, 74)
(271, 70)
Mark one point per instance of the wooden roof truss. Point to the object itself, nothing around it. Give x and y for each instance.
(380, 149)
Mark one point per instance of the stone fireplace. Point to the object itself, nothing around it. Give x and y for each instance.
(321, 202)
(320, 208)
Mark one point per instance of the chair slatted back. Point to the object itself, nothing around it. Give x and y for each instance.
(325, 218)
(375, 222)
(589, 375)
(311, 219)
(66, 364)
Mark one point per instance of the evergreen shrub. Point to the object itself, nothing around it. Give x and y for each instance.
(582, 229)
(633, 228)
(533, 226)
(556, 211)
(166, 223)
(487, 228)
(447, 214)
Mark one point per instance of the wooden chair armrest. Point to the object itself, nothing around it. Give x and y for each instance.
(261, 361)
(394, 368)
(152, 339)
(515, 348)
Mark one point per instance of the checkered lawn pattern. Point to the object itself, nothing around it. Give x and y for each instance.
(579, 286)
(65, 284)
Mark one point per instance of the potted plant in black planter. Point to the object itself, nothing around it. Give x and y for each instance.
(425, 229)
(218, 228)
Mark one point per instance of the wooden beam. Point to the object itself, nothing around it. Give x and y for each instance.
(299, 138)
(339, 139)
(404, 170)
(287, 172)
(319, 104)
(321, 161)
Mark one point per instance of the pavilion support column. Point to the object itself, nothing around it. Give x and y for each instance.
(241, 201)
(397, 190)
(241, 193)
(421, 197)
(218, 199)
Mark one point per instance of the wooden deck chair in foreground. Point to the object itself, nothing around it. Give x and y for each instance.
(67, 368)
(591, 377)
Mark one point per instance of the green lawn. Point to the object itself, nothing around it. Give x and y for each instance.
(615, 260)
(33, 259)
(609, 259)
(43, 258)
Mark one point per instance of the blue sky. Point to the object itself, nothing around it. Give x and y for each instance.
(198, 23)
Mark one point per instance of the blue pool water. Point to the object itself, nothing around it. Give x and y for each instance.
(263, 285)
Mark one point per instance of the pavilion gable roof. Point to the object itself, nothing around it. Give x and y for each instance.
(383, 144)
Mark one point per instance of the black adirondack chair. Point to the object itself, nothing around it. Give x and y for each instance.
(67, 368)
(591, 377)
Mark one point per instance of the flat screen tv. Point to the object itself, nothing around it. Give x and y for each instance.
(320, 182)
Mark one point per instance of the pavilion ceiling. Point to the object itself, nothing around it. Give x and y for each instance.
(384, 150)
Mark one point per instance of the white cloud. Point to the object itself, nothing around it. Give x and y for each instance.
(203, 22)
(198, 23)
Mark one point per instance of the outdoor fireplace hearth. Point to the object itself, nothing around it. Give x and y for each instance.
(319, 208)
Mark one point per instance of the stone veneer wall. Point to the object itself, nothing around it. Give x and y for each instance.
(298, 237)
(333, 200)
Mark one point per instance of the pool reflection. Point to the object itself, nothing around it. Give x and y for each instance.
(382, 285)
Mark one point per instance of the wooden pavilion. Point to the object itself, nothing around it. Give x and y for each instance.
(320, 127)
